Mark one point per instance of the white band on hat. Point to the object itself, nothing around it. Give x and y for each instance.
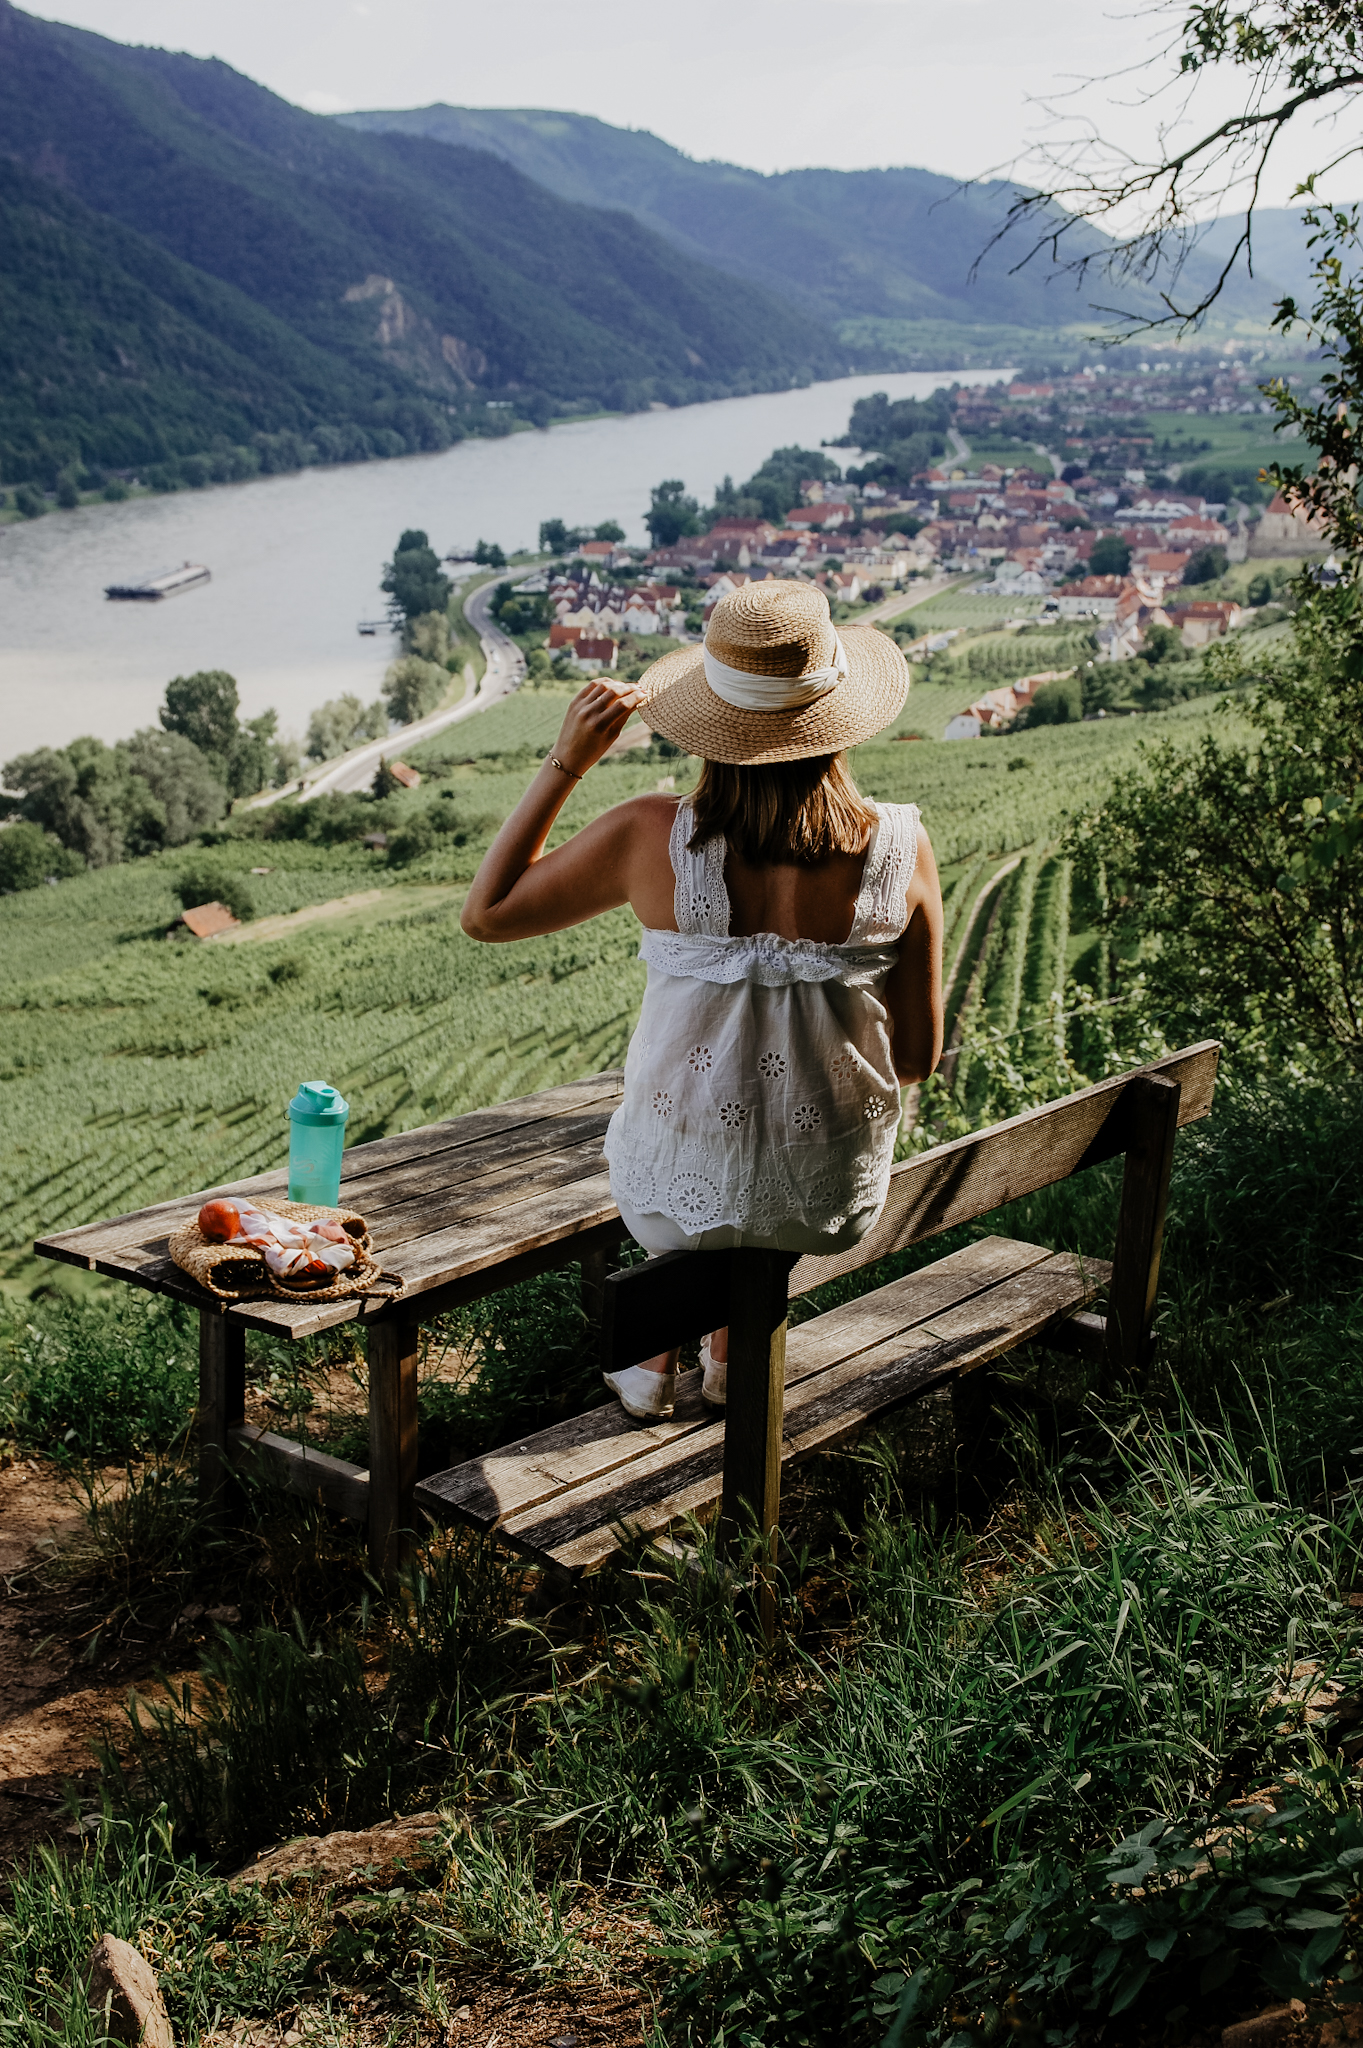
(774, 693)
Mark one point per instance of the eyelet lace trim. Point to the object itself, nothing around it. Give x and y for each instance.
(700, 901)
(891, 859)
(764, 958)
(701, 1190)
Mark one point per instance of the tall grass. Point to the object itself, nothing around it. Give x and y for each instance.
(277, 1735)
(1013, 1713)
(215, 1951)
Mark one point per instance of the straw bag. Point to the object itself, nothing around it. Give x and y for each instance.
(234, 1272)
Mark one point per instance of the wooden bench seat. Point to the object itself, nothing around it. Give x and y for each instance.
(564, 1497)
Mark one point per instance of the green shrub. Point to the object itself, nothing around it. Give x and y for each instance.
(28, 856)
(206, 884)
(1058, 703)
(1205, 565)
(30, 502)
(412, 687)
(1111, 556)
(98, 1379)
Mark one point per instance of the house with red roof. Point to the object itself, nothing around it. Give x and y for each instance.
(817, 518)
(592, 653)
(1205, 620)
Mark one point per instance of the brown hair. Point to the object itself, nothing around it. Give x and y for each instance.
(778, 812)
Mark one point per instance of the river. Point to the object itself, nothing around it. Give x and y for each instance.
(296, 559)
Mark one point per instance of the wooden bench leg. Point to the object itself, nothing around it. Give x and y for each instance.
(1152, 1102)
(596, 1264)
(222, 1404)
(753, 1418)
(392, 1347)
(971, 1395)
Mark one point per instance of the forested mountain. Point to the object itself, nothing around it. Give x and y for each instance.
(841, 245)
(190, 258)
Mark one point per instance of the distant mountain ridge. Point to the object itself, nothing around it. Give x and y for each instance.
(898, 244)
(381, 282)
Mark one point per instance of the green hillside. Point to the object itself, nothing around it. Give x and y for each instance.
(115, 351)
(846, 246)
(349, 273)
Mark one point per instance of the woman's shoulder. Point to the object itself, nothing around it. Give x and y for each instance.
(652, 811)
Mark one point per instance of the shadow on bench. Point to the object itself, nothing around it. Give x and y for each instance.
(563, 1496)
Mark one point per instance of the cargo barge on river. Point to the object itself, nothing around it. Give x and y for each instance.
(165, 583)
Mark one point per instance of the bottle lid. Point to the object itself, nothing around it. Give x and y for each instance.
(318, 1103)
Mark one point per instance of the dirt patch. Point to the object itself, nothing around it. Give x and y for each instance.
(52, 1709)
(469, 2012)
(393, 901)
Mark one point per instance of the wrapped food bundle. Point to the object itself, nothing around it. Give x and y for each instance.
(235, 1247)
(314, 1249)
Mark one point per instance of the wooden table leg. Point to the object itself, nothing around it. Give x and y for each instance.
(753, 1417)
(222, 1403)
(1153, 1104)
(392, 1346)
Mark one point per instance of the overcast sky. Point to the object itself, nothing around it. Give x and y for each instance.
(951, 85)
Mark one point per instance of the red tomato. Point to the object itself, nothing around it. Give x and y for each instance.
(219, 1221)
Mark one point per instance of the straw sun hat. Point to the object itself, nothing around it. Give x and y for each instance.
(775, 680)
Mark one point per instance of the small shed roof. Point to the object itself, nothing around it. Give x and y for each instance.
(206, 920)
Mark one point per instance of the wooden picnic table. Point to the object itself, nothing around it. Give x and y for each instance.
(457, 1209)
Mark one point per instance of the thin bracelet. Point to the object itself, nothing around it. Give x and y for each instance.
(554, 762)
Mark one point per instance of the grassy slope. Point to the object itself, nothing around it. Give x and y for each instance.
(1206, 439)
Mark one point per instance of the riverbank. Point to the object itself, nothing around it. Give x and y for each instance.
(24, 503)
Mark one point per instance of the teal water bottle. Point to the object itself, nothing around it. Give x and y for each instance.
(317, 1117)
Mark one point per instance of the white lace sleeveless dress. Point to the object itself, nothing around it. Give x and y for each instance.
(761, 1103)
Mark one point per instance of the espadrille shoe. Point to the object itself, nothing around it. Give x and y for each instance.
(647, 1396)
(714, 1385)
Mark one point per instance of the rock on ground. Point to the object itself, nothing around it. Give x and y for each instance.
(124, 1981)
(374, 1854)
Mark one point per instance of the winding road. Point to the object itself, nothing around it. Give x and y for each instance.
(505, 672)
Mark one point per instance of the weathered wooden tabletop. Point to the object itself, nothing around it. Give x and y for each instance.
(456, 1209)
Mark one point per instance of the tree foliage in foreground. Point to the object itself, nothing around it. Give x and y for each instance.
(1235, 872)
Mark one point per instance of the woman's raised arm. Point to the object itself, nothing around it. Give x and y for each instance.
(519, 892)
